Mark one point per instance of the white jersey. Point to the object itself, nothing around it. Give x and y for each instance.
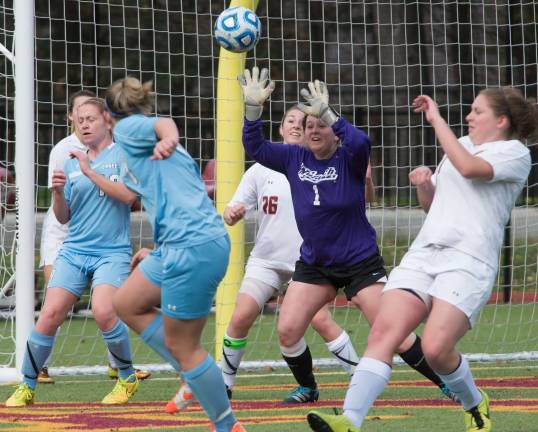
(53, 232)
(268, 193)
(470, 215)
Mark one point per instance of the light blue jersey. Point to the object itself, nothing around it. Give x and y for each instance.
(172, 191)
(99, 224)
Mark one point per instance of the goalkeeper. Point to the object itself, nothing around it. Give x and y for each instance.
(339, 247)
(265, 194)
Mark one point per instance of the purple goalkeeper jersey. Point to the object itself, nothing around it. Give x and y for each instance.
(328, 195)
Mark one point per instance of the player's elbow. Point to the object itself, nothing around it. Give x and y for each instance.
(62, 217)
(467, 172)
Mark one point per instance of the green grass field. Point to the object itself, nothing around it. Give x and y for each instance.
(501, 328)
(408, 404)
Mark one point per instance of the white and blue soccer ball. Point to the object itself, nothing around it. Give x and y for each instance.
(237, 29)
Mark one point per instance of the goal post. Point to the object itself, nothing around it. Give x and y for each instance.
(23, 68)
(230, 167)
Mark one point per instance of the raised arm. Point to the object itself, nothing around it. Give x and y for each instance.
(113, 189)
(468, 165)
(168, 135)
(257, 87)
(354, 140)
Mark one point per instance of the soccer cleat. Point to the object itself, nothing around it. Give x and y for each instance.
(180, 401)
(320, 422)
(449, 393)
(140, 374)
(43, 376)
(229, 392)
(122, 391)
(235, 428)
(21, 397)
(477, 418)
(302, 395)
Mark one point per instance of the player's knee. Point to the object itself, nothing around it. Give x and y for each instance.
(288, 333)
(49, 320)
(380, 335)
(241, 322)
(104, 316)
(435, 350)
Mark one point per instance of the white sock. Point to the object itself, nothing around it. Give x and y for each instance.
(232, 353)
(343, 350)
(111, 360)
(370, 378)
(461, 382)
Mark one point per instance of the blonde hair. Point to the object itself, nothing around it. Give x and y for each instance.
(95, 101)
(129, 96)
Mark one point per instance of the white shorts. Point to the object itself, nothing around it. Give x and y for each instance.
(447, 274)
(53, 234)
(270, 274)
(262, 282)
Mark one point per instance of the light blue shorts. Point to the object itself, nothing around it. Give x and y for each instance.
(190, 277)
(73, 271)
(152, 267)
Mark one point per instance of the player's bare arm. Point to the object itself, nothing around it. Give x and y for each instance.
(168, 135)
(113, 189)
(421, 177)
(468, 165)
(60, 207)
(234, 213)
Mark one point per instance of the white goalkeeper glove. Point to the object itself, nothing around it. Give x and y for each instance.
(256, 90)
(318, 103)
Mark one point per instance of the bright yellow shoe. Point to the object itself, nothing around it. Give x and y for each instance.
(23, 396)
(112, 372)
(321, 422)
(122, 391)
(477, 418)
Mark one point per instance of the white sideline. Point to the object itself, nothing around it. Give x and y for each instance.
(9, 375)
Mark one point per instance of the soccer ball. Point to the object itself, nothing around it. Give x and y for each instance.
(237, 29)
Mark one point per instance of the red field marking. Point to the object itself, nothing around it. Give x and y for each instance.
(530, 382)
(94, 417)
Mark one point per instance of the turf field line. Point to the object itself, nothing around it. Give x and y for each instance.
(318, 372)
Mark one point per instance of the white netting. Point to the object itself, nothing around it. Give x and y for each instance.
(375, 56)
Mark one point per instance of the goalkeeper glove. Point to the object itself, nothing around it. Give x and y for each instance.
(256, 90)
(318, 103)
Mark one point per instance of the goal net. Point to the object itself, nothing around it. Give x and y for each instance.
(375, 56)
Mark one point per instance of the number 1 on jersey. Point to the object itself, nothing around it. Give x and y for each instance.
(316, 195)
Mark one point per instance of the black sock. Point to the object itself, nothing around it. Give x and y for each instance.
(301, 367)
(414, 357)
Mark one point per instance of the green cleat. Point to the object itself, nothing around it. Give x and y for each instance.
(21, 397)
(122, 391)
(477, 418)
(320, 422)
